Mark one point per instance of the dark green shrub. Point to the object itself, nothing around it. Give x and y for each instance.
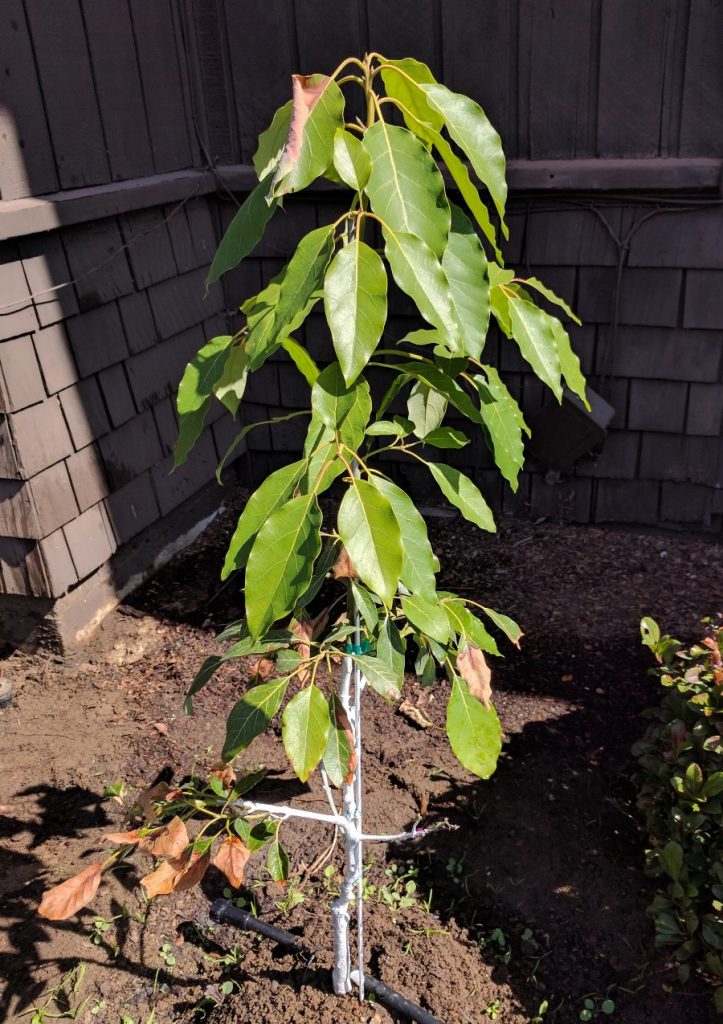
(681, 796)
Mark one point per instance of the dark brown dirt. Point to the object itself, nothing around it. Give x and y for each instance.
(538, 895)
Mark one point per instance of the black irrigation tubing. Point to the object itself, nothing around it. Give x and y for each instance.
(225, 913)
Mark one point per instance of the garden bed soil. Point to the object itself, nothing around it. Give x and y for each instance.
(537, 895)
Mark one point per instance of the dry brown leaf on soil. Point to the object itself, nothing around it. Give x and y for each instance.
(151, 794)
(415, 714)
(66, 899)
(172, 840)
(344, 567)
(160, 881)
(123, 837)
(231, 858)
(476, 673)
(161, 728)
(192, 869)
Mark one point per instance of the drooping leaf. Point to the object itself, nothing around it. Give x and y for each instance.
(507, 625)
(473, 731)
(281, 562)
(194, 393)
(424, 121)
(380, 676)
(317, 112)
(391, 649)
(340, 756)
(243, 233)
(341, 407)
(351, 160)
(468, 191)
(418, 560)
(204, 674)
(569, 362)
(466, 496)
(278, 861)
(231, 859)
(465, 265)
(470, 128)
(247, 430)
(503, 419)
(370, 532)
(405, 186)
(66, 899)
(272, 141)
(426, 409)
(534, 333)
(172, 839)
(302, 360)
(533, 282)
(191, 866)
(446, 437)
(252, 715)
(131, 837)
(419, 274)
(428, 617)
(305, 728)
(161, 880)
(469, 627)
(270, 496)
(355, 301)
(435, 377)
(475, 671)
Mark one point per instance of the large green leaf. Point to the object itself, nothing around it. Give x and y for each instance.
(426, 409)
(271, 495)
(419, 563)
(468, 191)
(301, 360)
(470, 128)
(502, 416)
(342, 408)
(281, 562)
(465, 265)
(272, 141)
(243, 233)
(428, 616)
(446, 437)
(194, 393)
(405, 186)
(339, 749)
(419, 274)
(508, 626)
(305, 729)
(380, 676)
(418, 115)
(465, 495)
(462, 621)
(355, 301)
(533, 330)
(317, 112)
(252, 716)
(370, 532)
(351, 160)
(474, 731)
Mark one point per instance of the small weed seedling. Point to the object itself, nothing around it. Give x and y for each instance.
(493, 1010)
(60, 1001)
(542, 1009)
(231, 958)
(167, 956)
(594, 1005)
(294, 896)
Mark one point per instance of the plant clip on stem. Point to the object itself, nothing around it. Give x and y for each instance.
(442, 249)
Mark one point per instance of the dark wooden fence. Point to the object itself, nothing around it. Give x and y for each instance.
(126, 134)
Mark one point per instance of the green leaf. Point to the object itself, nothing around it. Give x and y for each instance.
(425, 122)
(507, 625)
(391, 649)
(272, 494)
(465, 495)
(305, 728)
(465, 265)
(322, 568)
(380, 676)
(468, 191)
(252, 716)
(569, 362)
(367, 609)
(355, 302)
(337, 756)
(446, 437)
(503, 419)
(351, 160)
(418, 560)
(342, 408)
(428, 617)
(462, 621)
(194, 393)
(302, 360)
(405, 186)
(533, 331)
(426, 409)
(204, 674)
(532, 282)
(278, 862)
(370, 532)
(469, 127)
(281, 562)
(317, 112)
(385, 428)
(243, 233)
(271, 142)
(419, 274)
(436, 378)
(474, 731)
(231, 386)
(671, 860)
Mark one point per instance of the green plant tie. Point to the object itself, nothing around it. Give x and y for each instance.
(362, 648)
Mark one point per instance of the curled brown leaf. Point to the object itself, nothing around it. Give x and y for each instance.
(231, 858)
(172, 839)
(66, 899)
(476, 673)
(342, 720)
(262, 668)
(123, 837)
(306, 94)
(344, 567)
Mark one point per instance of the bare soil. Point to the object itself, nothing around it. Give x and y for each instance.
(539, 893)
